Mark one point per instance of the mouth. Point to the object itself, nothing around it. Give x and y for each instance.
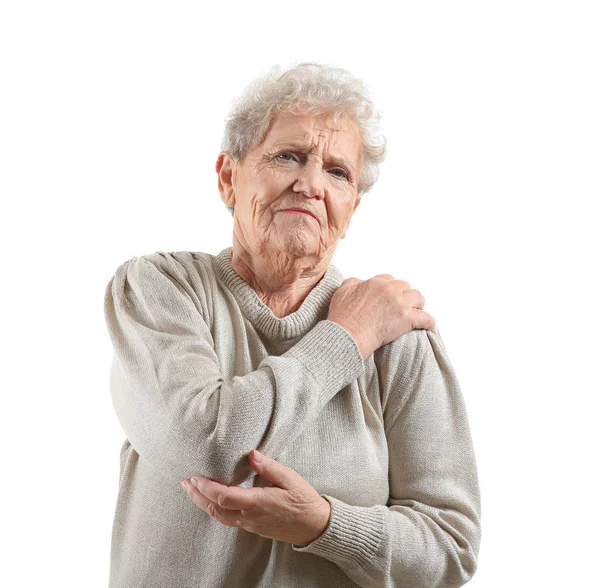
(299, 211)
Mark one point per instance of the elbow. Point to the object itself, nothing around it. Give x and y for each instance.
(453, 561)
(226, 463)
(218, 461)
(171, 453)
(461, 562)
(452, 571)
(465, 572)
(182, 445)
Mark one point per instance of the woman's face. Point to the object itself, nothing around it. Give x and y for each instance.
(304, 162)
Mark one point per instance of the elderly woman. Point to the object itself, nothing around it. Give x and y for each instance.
(286, 426)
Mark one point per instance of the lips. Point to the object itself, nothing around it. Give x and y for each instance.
(299, 210)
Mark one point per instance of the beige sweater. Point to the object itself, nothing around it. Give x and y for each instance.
(203, 372)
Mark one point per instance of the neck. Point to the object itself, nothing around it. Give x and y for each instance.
(282, 281)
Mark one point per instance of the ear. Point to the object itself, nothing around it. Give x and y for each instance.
(348, 223)
(225, 168)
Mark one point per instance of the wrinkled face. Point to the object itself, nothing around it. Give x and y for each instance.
(304, 162)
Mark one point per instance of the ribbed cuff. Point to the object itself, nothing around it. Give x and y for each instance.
(331, 354)
(353, 536)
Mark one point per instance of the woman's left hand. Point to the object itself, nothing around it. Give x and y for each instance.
(291, 510)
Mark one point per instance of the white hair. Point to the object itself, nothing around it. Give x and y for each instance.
(310, 88)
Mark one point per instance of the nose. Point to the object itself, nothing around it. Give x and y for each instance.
(310, 180)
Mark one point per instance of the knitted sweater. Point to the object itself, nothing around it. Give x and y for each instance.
(203, 372)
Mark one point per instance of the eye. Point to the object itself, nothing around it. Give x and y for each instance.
(284, 153)
(346, 176)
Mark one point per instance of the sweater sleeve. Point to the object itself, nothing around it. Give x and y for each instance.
(176, 408)
(428, 535)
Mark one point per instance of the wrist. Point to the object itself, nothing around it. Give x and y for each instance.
(321, 523)
(323, 519)
(363, 345)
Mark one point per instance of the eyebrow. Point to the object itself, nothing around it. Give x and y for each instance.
(306, 147)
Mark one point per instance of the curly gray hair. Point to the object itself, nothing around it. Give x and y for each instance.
(314, 89)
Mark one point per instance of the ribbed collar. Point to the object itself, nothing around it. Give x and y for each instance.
(313, 308)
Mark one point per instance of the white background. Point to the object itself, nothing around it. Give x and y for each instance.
(111, 121)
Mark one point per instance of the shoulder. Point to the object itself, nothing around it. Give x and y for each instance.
(404, 362)
(164, 272)
(177, 265)
(165, 260)
(413, 346)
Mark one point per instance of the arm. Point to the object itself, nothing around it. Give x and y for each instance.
(175, 406)
(428, 535)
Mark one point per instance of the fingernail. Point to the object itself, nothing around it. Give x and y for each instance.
(258, 456)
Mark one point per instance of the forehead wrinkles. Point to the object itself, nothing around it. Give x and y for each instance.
(318, 134)
(308, 129)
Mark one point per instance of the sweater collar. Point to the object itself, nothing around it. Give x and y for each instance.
(313, 308)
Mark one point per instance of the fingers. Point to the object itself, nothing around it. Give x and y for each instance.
(403, 283)
(423, 320)
(197, 497)
(416, 299)
(228, 497)
(231, 518)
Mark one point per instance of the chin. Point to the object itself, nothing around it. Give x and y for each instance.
(298, 247)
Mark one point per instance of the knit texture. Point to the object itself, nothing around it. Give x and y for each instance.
(203, 372)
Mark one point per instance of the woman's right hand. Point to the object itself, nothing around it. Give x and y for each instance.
(378, 311)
